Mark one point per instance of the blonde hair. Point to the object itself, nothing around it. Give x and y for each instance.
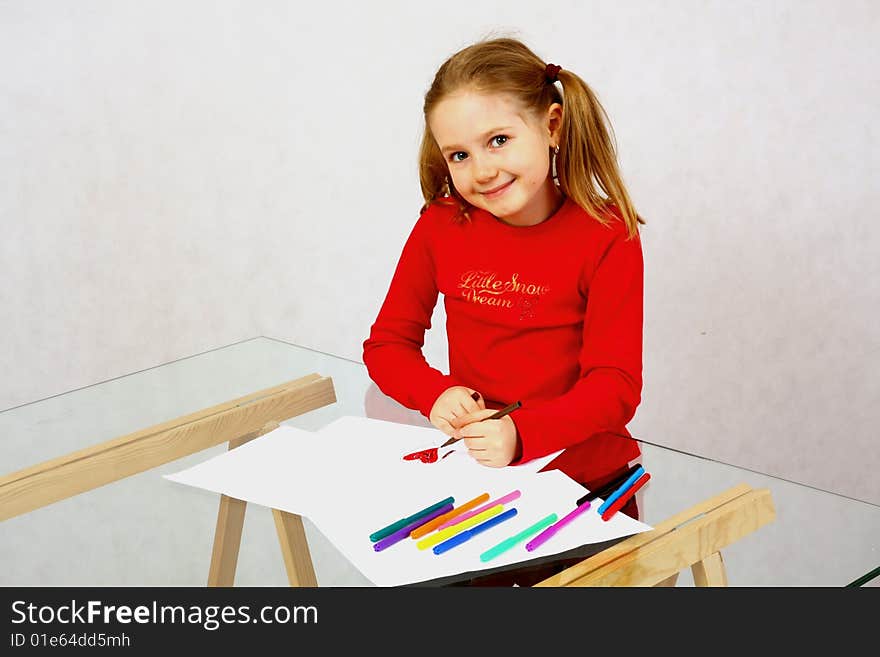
(586, 164)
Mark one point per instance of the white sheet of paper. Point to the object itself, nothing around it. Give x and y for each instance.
(350, 480)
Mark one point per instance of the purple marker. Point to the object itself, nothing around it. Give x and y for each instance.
(504, 499)
(403, 532)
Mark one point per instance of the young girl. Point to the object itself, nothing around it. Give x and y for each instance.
(529, 233)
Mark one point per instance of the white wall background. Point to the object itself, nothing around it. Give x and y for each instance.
(176, 176)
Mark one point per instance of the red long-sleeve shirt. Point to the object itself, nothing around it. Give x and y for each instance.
(550, 315)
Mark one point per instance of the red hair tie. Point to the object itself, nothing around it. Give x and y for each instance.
(552, 72)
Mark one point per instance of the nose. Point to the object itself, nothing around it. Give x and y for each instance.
(484, 169)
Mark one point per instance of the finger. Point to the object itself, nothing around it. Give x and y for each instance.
(475, 449)
(477, 429)
(444, 426)
(477, 416)
(479, 457)
(461, 419)
(478, 403)
(490, 459)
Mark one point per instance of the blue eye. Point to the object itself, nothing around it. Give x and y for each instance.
(496, 142)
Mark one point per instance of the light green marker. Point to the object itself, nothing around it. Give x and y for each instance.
(508, 543)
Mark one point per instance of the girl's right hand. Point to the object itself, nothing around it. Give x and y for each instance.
(453, 403)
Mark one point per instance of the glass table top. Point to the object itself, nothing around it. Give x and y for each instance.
(147, 531)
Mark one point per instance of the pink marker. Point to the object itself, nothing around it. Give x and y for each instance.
(548, 533)
(512, 495)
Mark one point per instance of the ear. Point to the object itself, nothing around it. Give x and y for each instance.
(554, 123)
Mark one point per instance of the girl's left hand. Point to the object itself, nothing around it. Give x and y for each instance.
(491, 442)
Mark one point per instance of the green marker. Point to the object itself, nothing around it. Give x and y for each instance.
(508, 543)
(393, 527)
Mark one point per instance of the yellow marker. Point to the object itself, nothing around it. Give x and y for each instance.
(443, 534)
(428, 527)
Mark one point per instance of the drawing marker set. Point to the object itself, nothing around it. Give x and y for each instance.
(442, 526)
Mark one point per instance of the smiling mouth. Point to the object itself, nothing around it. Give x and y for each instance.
(498, 190)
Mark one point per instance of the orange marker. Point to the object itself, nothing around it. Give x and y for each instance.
(421, 530)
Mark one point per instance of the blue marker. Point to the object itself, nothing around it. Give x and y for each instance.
(467, 534)
(639, 471)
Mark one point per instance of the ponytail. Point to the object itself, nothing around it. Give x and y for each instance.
(587, 157)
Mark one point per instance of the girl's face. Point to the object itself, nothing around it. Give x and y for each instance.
(498, 155)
